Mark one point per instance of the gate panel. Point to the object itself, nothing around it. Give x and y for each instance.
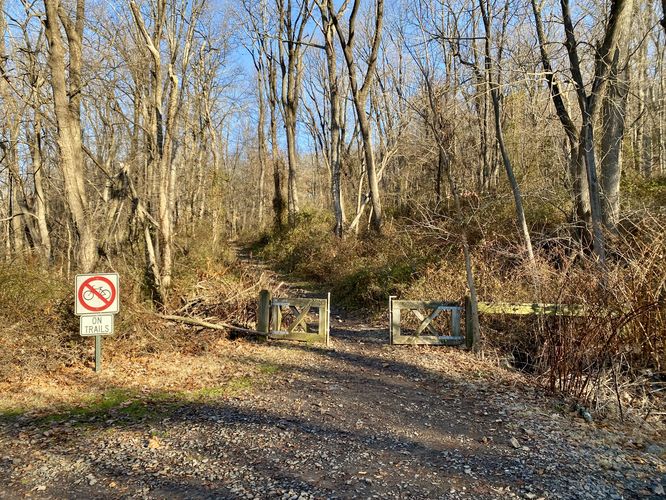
(291, 319)
(425, 332)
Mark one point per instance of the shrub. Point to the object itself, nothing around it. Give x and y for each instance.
(359, 272)
(37, 320)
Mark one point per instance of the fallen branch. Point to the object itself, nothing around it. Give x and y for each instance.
(213, 326)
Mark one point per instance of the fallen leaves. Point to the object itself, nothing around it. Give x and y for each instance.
(154, 443)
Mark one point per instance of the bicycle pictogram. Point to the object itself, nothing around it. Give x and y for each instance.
(89, 294)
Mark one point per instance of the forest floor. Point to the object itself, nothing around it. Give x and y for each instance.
(356, 419)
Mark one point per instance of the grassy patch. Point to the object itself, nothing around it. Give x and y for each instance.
(239, 385)
(115, 404)
(11, 413)
(268, 368)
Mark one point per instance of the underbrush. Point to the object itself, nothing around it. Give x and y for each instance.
(359, 272)
(613, 358)
(36, 321)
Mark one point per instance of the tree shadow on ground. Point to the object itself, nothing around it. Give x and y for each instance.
(261, 452)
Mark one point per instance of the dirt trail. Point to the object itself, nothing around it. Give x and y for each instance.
(359, 419)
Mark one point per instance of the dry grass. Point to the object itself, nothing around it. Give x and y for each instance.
(221, 371)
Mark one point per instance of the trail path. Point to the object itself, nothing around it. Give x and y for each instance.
(360, 419)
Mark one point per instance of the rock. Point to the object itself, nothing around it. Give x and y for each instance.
(658, 489)
(514, 442)
(583, 412)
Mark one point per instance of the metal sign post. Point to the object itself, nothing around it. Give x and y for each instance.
(97, 301)
(98, 353)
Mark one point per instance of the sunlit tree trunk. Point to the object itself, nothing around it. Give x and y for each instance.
(261, 143)
(334, 98)
(589, 103)
(67, 104)
(508, 166)
(291, 35)
(38, 179)
(614, 109)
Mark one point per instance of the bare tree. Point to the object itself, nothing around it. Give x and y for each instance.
(66, 84)
(614, 110)
(576, 172)
(360, 93)
(486, 14)
(589, 103)
(336, 111)
(164, 105)
(291, 46)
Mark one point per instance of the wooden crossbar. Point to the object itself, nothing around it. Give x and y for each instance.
(535, 308)
(425, 321)
(300, 316)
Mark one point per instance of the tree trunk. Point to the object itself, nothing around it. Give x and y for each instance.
(38, 179)
(360, 94)
(292, 187)
(17, 236)
(278, 195)
(261, 143)
(576, 173)
(589, 103)
(291, 33)
(494, 94)
(67, 112)
(334, 98)
(370, 166)
(613, 124)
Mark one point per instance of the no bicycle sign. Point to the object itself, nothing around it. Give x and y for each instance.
(96, 294)
(97, 299)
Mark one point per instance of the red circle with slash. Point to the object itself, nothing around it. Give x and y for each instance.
(106, 303)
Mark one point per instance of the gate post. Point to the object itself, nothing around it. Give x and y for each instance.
(327, 318)
(264, 311)
(469, 327)
(394, 321)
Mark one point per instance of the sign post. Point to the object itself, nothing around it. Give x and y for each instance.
(98, 353)
(97, 302)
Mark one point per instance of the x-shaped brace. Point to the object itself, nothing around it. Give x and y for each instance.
(426, 321)
(300, 316)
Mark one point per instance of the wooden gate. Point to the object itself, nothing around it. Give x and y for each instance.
(305, 319)
(430, 326)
